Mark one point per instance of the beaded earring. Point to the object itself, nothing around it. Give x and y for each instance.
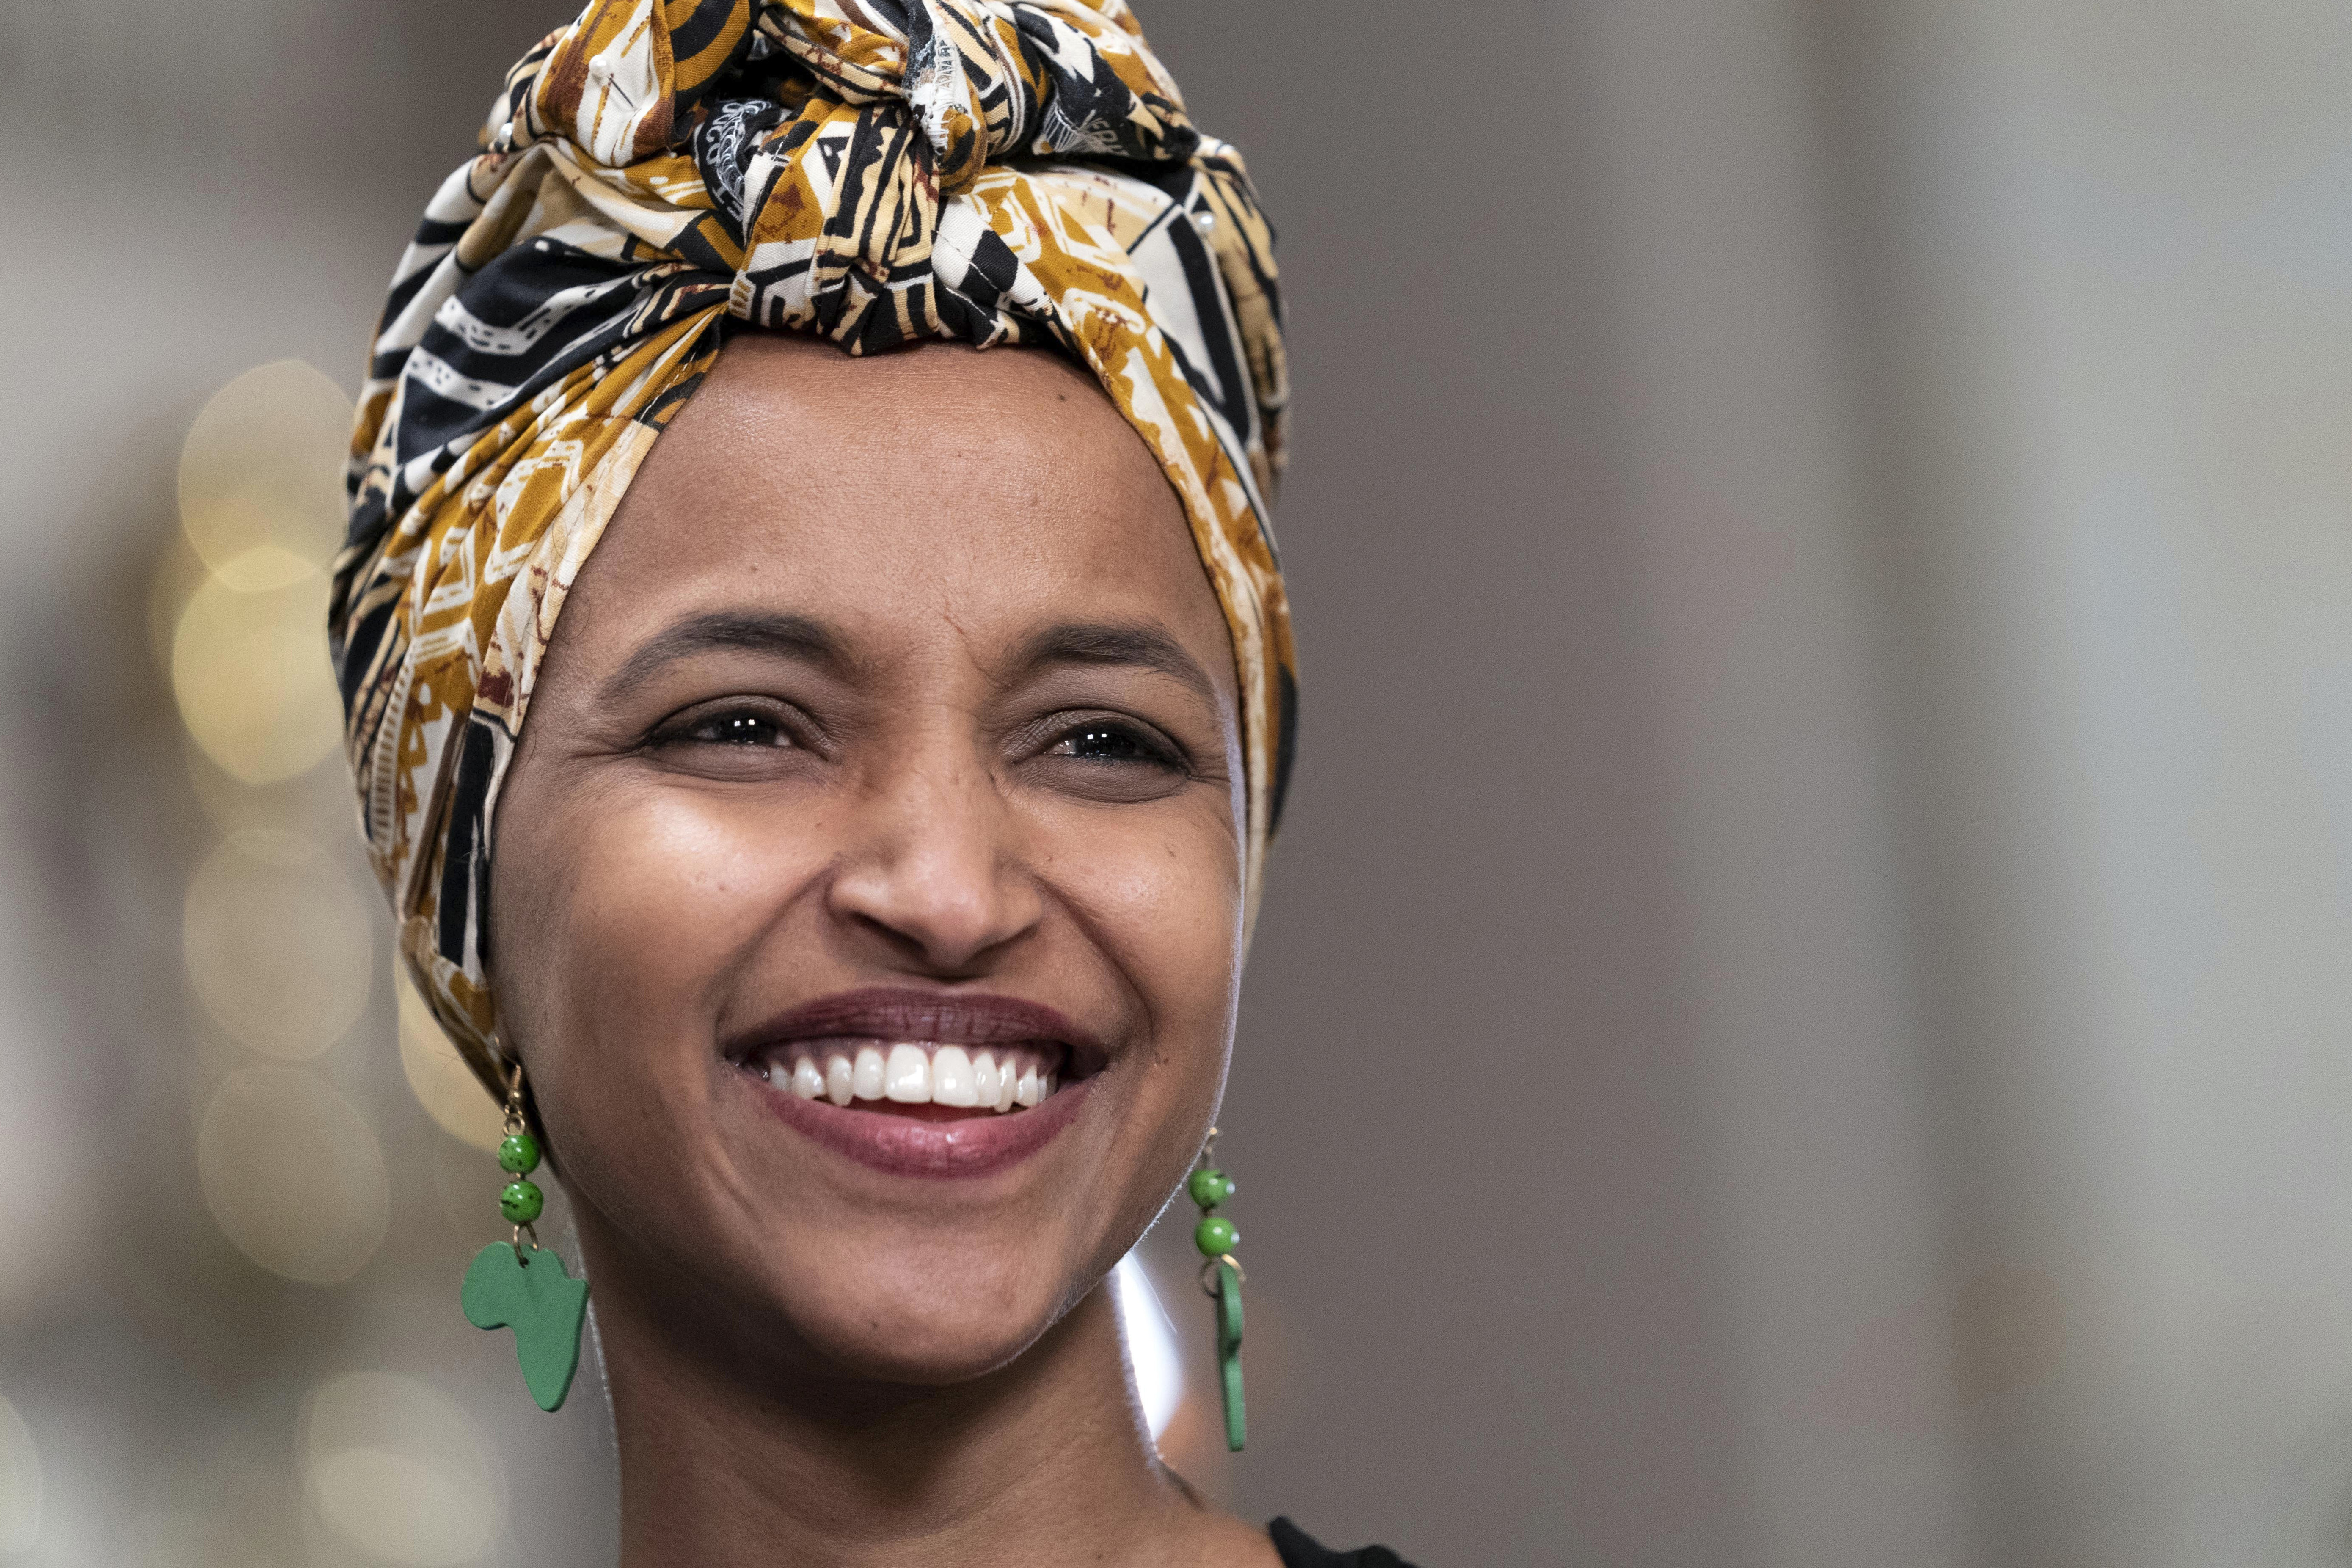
(510, 1286)
(1221, 1280)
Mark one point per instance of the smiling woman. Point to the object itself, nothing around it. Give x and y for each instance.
(890, 805)
(857, 921)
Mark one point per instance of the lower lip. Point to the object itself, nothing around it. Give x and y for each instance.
(903, 1146)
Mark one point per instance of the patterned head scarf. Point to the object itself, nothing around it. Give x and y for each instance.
(874, 171)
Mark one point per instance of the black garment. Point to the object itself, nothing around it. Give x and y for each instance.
(1298, 1551)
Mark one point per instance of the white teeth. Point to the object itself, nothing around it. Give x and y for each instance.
(865, 1078)
(807, 1082)
(916, 1074)
(951, 1077)
(908, 1078)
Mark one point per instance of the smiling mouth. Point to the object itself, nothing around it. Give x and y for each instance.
(930, 1079)
(923, 1055)
(922, 1083)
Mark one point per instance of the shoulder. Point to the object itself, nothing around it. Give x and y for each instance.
(1300, 1550)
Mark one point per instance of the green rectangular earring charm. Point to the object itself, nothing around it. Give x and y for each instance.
(1221, 1281)
(1229, 1349)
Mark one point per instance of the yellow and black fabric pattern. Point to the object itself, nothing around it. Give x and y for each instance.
(663, 172)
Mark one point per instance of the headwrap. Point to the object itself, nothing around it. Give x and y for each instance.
(874, 171)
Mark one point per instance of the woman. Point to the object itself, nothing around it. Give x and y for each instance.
(859, 917)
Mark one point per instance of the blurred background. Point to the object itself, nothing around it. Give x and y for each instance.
(1800, 1017)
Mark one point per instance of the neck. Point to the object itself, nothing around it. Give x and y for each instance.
(1043, 1462)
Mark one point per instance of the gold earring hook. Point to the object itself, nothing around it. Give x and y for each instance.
(516, 1120)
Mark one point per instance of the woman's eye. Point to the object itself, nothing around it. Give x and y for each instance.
(1112, 761)
(1107, 743)
(740, 730)
(746, 728)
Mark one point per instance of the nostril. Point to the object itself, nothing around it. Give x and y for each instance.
(946, 931)
(936, 950)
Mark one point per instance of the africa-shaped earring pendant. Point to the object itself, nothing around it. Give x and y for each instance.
(1221, 1279)
(524, 1287)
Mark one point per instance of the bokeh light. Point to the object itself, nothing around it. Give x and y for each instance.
(261, 476)
(395, 1468)
(250, 672)
(1151, 1345)
(177, 574)
(293, 1174)
(278, 943)
(20, 1484)
(439, 1077)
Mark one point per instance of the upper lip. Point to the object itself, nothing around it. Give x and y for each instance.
(957, 1018)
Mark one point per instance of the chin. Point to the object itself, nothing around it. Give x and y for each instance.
(934, 1316)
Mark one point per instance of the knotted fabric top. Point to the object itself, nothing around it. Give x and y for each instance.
(874, 170)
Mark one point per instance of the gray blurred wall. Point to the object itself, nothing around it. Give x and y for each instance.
(1799, 1019)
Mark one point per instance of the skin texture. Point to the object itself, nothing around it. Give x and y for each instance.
(813, 1361)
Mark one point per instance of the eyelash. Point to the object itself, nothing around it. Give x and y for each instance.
(1156, 750)
(707, 728)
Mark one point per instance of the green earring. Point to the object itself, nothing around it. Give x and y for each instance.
(510, 1286)
(1221, 1279)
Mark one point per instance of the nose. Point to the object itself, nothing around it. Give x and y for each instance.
(932, 871)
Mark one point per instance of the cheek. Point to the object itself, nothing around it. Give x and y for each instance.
(642, 935)
(1162, 899)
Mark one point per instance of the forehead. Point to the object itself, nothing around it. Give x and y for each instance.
(991, 489)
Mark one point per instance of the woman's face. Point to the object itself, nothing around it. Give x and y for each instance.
(887, 743)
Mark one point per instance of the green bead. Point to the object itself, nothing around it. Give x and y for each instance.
(1215, 1236)
(1210, 1188)
(519, 1153)
(521, 1202)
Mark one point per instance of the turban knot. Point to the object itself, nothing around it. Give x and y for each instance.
(829, 138)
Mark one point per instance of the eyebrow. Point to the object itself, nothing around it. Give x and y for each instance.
(1144, 646)
(788, 637)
